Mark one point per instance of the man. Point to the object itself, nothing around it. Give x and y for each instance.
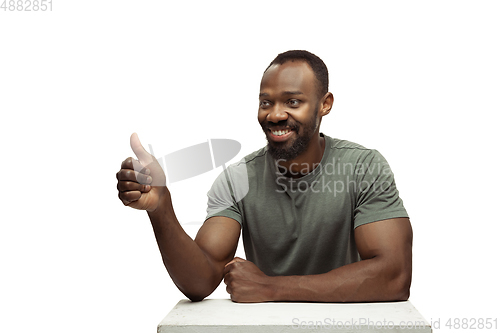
(321, 218)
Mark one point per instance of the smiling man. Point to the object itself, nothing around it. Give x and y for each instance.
(321, 220)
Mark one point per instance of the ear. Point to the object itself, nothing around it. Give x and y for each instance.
(326, 104)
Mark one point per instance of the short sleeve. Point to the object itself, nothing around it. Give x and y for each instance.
(377, 197)
(230, 187)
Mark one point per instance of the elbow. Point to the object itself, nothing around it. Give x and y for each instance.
(403, 294)
(195, 298)
(400, 279)
(395, 282)
(198, 293)
(400, 290)
(199, 289)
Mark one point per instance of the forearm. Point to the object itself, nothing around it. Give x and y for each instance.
(184, 260)
(365, 281)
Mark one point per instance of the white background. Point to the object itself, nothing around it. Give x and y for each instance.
(418, 81)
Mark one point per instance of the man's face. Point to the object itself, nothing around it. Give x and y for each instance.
(288, 109)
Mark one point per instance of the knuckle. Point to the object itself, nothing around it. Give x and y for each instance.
(125, 186)
(121, 185)
(124, 202)
(141, 179)
(129, 196)
(126, 162)
(121, 174)
(130, 175)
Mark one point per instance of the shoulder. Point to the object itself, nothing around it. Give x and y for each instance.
(255, 158)
(347, 149)
(253, 163)
(349, 155)
(334, 143)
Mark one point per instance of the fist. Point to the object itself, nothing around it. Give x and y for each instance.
(141, 181)
(245, 282)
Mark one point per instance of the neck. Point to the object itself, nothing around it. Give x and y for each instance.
(307, 161)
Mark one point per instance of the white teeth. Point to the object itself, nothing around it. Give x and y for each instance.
(280, 133)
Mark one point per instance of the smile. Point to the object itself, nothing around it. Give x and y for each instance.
(280, 133)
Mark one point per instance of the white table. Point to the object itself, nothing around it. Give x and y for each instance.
(223, 315)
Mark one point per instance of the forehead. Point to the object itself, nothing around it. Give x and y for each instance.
(290, 76)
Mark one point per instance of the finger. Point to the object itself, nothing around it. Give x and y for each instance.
(129, 196)
(235, 259)
(125, 186)
(227, 277)
(227, 269)
(144, 157)
(133, 164)
(134, 176)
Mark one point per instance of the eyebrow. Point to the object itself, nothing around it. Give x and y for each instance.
(291, 93)
(284, 93)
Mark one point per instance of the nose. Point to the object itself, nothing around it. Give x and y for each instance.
(277, 114)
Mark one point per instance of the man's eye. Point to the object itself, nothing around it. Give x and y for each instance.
(294, 102)
(264, 104)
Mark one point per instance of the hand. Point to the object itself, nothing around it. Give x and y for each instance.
(142, 182)
(246, 283)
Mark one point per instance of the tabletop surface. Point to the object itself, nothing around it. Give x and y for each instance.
(223, 314)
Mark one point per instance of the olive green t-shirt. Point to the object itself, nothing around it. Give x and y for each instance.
(306, 225)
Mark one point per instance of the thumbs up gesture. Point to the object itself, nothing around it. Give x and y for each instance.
(141, 181)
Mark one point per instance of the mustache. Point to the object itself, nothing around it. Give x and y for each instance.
(283, 123)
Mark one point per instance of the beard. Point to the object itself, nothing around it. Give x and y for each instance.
(286, 151)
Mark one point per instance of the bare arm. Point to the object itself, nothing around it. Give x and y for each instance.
(384, 274)
(196, 267)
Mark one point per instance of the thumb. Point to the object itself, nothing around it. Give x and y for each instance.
(236, 259)
(142, 155)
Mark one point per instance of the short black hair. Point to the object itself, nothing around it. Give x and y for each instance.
(317, 65)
